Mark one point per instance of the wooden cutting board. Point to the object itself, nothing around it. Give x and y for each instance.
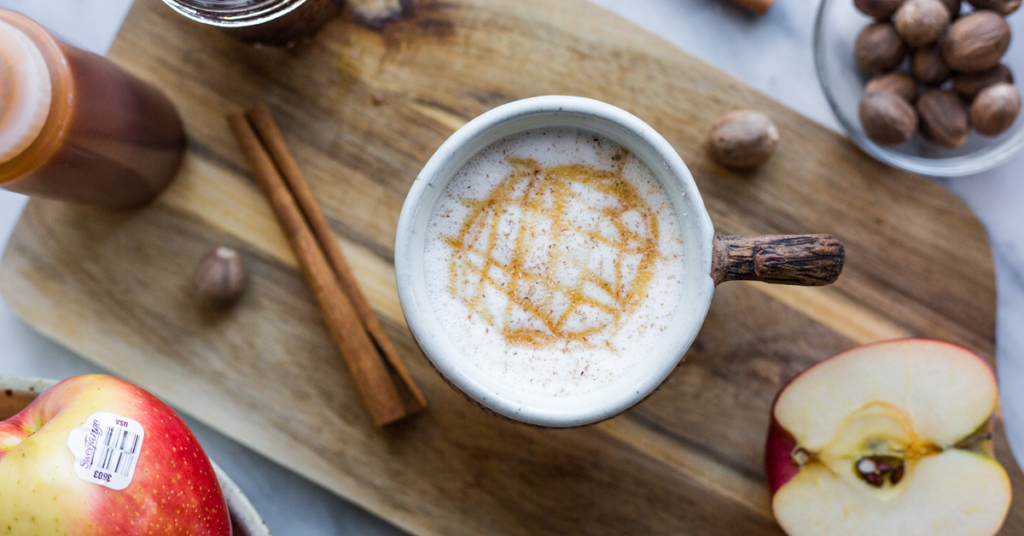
(363, 110)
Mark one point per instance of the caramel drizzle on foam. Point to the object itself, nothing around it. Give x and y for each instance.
(530, 285)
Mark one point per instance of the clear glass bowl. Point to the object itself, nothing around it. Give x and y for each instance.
(835, 31)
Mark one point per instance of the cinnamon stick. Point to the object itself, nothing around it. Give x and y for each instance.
(267, 130)
(369, 371)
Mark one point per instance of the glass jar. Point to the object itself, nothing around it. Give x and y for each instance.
(269, 22)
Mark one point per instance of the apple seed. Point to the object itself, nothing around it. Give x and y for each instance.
(896, 475)
(876, 470)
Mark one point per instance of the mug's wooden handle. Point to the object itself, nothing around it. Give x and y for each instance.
(808, 260)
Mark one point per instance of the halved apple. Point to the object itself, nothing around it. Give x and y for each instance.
(888, 439)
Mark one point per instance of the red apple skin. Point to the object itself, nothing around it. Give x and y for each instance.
(174, 490)
(779, 467)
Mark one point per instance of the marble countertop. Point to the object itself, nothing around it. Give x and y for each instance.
(771, 53)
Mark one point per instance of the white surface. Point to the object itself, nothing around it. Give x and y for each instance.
(772, 53)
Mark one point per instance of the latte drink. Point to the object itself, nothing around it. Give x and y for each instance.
(554, 261)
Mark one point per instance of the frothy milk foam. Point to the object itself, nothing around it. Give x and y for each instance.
(554, 261)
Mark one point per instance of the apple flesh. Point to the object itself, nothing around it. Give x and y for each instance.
(888, 439)
(173, 491)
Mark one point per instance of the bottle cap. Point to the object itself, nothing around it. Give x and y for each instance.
(25, 91)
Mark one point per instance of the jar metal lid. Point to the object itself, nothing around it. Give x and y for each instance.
(234, 13)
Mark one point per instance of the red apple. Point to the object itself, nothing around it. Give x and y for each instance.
(888, 439)
(65, 456)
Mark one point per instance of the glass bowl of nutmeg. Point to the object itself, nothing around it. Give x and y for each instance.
(925, 85)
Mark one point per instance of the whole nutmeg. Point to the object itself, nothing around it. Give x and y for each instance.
(1003, 7)
(879, 48)
(943, 118)
(221, 277)
(743, 138)
(901, 84)
(953, 6)
(995, 109)
(928, 66)
(967, 85)
(976, 42)
(921, 22)
(887, 118)
(879, 9)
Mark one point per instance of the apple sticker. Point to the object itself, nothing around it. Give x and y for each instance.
(106, 449)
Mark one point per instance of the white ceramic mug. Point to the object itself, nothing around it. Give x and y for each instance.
(708, 259)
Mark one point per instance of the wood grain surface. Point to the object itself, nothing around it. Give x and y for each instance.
(363, 109)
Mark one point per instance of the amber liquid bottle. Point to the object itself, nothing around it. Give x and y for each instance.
(76, 127)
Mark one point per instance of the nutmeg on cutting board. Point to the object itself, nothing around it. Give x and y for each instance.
(743, 139)
(221, 277)
(938, 72)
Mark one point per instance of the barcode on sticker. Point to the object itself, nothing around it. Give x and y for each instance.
(107, 448)
(118, 454)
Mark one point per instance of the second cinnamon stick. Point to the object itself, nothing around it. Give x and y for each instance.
(266, 128)
(368, 369)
